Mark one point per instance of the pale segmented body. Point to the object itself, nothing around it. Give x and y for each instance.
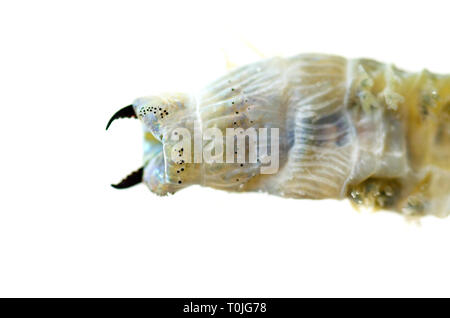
(347, 128)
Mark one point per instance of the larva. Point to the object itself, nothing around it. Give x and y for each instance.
(356, 129)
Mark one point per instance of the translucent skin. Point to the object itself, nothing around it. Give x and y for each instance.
(347, 128)
(403, 137)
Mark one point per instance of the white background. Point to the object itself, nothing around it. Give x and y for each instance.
(67, 66)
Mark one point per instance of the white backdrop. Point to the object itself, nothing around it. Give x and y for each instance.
(67, 66)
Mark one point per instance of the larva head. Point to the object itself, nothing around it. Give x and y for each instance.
(168, 123)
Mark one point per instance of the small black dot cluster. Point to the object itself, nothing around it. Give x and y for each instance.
(233, 103)
(181, 163)
(158, 111)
